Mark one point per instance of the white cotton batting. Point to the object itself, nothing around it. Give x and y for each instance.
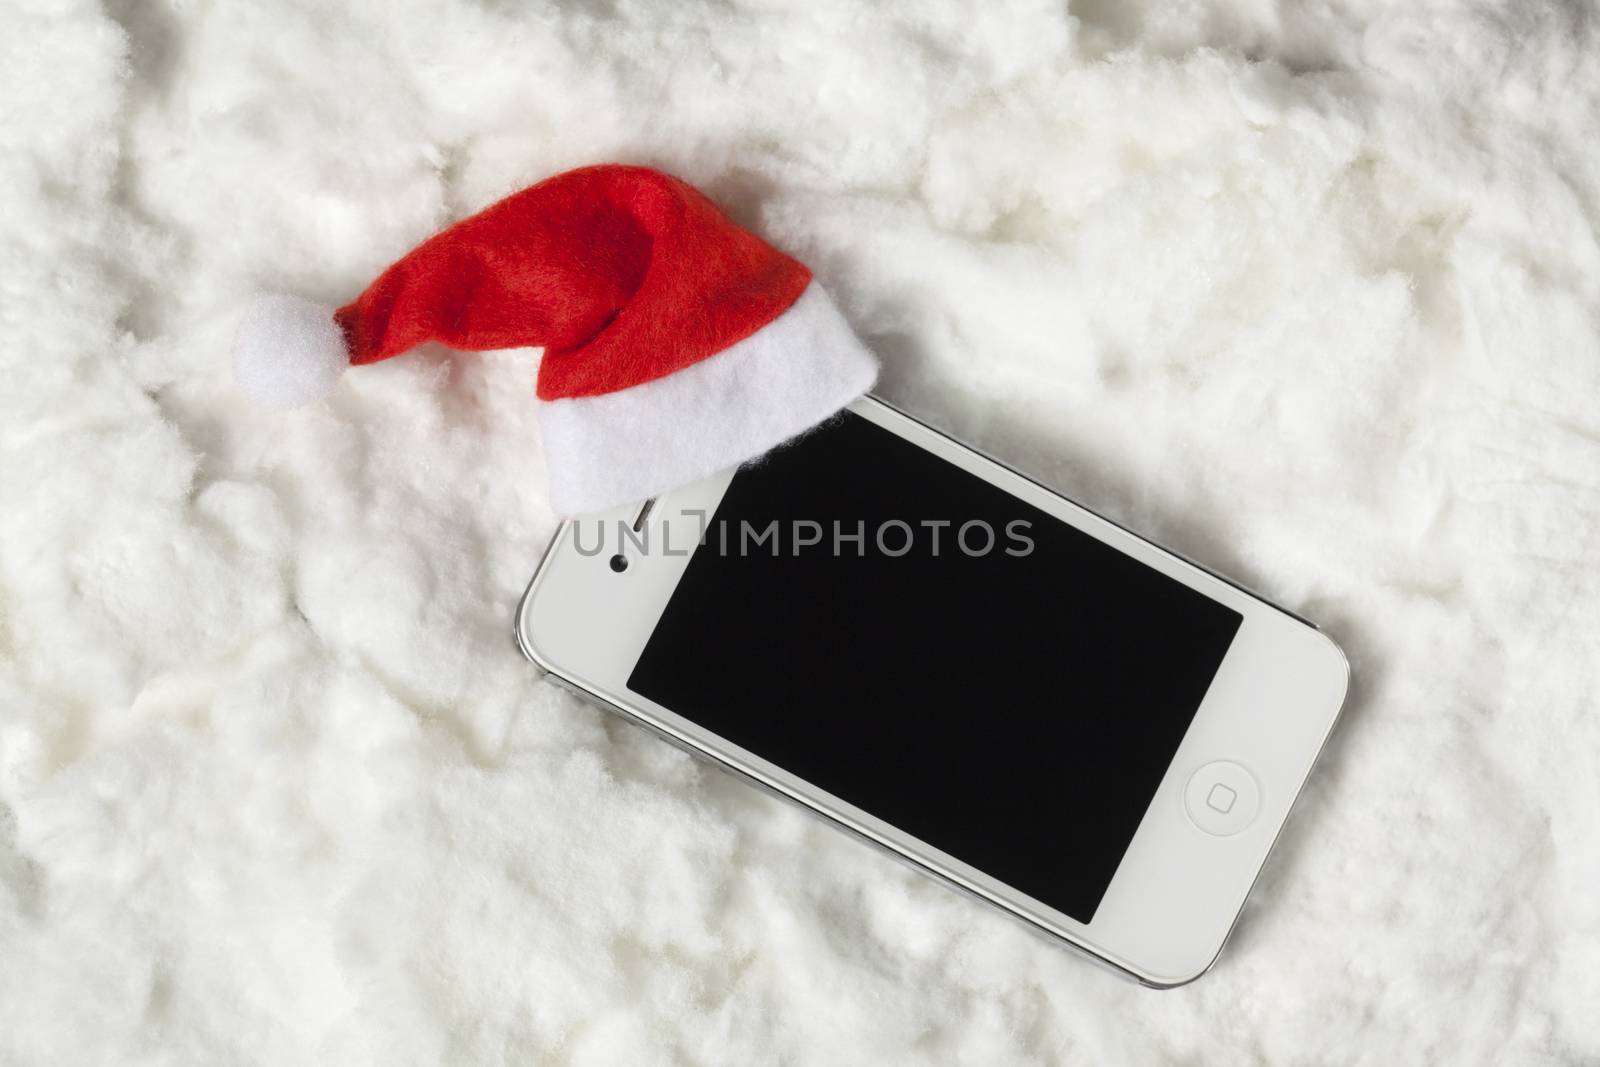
(288, 351)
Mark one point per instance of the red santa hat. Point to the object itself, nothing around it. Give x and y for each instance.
(676, 344)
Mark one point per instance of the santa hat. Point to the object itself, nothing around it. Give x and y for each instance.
(676, 344)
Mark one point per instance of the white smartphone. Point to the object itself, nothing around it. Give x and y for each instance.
(971, 671)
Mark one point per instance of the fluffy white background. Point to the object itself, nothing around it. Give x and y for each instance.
(1311, 291)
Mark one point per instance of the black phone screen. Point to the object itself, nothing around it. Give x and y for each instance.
(931, 649)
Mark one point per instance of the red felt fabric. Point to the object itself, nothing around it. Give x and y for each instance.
(623, 275)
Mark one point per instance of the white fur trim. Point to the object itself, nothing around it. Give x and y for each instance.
(780, 381)
(288, 351)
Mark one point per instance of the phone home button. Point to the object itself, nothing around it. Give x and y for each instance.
(1222, 798)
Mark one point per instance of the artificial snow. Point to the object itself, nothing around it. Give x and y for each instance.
(1309, 291)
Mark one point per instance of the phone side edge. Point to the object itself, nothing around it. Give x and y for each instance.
(519, 629)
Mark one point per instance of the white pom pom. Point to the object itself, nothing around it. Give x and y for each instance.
(287, 352)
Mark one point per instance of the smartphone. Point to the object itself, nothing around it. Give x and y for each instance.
(939, 655)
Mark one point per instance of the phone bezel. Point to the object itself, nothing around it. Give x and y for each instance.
(1177, 892)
